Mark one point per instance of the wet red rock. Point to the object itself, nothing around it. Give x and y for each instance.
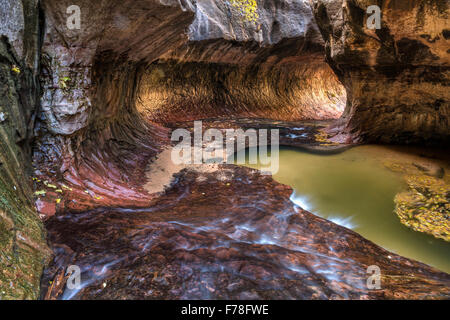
(106, 173)
(46, 208)
(212, 238)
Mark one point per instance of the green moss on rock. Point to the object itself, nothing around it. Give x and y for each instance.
(23, 248)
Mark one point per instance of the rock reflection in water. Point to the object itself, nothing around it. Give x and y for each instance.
(212, 238)
(356, 190)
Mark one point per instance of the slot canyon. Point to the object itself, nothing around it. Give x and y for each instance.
(86, 176)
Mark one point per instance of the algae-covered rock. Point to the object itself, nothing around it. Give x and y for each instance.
(425, 207)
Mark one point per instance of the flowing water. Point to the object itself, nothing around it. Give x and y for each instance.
(355, 190)
(232, 233)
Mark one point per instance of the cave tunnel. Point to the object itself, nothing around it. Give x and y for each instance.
(93, 91)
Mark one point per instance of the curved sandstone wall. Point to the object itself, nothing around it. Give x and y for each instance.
(293, 86)
(397, 77)
(136, 63)
(238, 56)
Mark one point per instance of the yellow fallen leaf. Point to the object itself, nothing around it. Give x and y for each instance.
(15, 69)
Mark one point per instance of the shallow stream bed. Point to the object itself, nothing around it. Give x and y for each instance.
(229, 232)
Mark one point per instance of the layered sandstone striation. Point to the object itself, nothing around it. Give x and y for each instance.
(213, 79)
(397, 77)
(136, 64)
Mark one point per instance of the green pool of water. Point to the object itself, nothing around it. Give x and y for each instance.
(355, 190)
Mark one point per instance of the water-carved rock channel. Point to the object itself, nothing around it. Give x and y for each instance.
(228, 232)
(89, 104)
